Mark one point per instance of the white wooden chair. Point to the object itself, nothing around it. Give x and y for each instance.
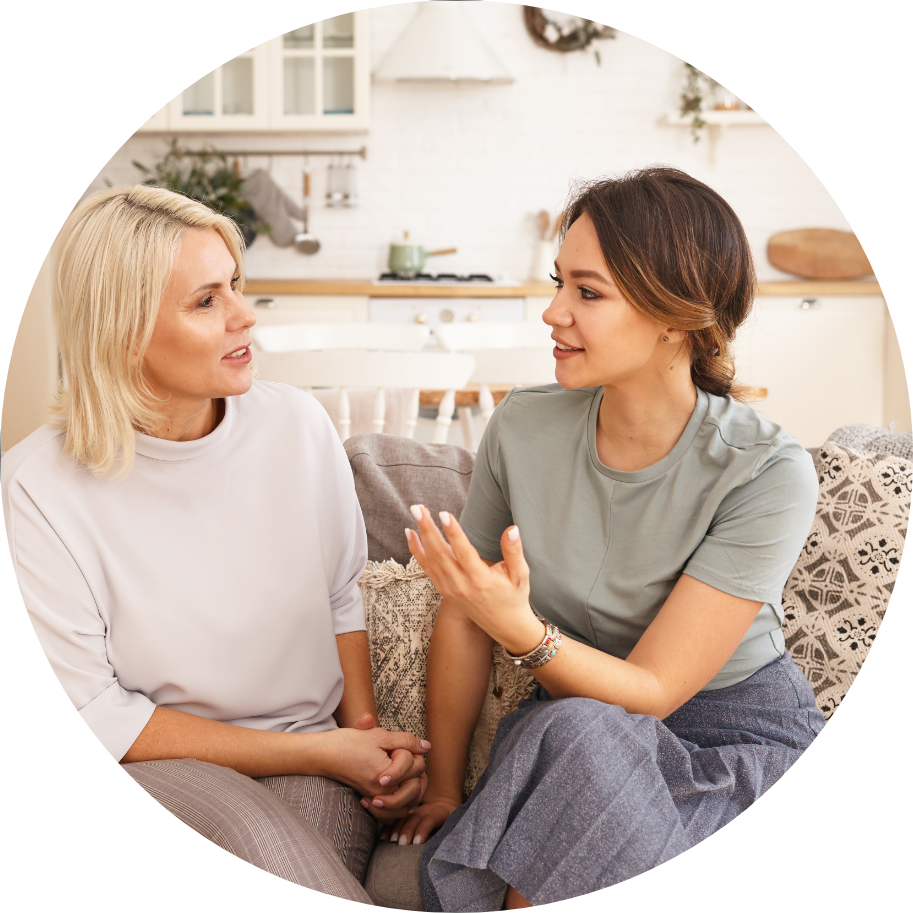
(506, 354)
(312, 337)
(323, 359)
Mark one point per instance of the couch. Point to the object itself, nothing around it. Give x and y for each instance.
(833, 602)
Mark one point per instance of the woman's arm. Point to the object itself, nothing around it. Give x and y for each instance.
(459, 666)
(358, 757)
(696, 631)
(375, 762)
(358, 689)
(689, 641)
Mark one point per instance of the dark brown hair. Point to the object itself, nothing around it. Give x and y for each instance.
(679, 254)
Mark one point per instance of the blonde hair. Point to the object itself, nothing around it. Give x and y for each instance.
(116, 253)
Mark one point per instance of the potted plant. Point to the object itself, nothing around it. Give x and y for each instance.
(206, 175)
(697, 86)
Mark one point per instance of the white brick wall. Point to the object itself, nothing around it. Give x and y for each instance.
(468, 166)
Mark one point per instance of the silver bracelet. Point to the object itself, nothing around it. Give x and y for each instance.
(541, 654)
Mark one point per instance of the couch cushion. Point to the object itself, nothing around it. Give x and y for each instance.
(400, 607)
(837, 594)
(392, 879)
(393, 473)
(874, 440)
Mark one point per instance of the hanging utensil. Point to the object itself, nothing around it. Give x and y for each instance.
(305, 242)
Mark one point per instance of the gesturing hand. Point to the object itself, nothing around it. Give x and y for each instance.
(495, 597)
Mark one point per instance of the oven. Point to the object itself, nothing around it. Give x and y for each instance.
(433, 312)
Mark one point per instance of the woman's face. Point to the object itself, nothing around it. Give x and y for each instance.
(601, 338)
(200, 347)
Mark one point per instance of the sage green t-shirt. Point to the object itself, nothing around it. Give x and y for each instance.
(730, 505)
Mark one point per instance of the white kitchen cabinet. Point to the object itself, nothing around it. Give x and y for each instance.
(319, 77)
(535, 305)
(313, 78)
(276, 309)
(822, 364)
(434, 311)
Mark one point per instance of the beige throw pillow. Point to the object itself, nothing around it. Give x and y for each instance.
(400, 607)
(838, 592)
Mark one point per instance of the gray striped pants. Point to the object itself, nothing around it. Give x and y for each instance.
(308, 830)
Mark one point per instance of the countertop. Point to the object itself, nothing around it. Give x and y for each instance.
(526, 289)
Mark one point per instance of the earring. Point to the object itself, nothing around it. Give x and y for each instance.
(665, 338)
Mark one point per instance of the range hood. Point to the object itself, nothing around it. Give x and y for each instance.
(441, 44)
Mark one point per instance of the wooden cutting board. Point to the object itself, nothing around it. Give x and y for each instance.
(818, 253)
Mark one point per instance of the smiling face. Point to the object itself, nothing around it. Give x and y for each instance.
(200, 346)
(601, 338)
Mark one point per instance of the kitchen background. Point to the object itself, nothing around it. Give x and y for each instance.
(470, 165)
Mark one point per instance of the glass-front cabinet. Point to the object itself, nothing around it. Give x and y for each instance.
(313, 78)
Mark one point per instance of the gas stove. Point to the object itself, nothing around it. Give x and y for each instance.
(442, 278)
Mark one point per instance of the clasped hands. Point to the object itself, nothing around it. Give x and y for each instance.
(386, 768)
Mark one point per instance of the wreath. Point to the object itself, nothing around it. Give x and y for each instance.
(573, 34)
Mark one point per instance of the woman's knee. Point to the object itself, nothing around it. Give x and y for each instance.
(586, 726)
(241, 816)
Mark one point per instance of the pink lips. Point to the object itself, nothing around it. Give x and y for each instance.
(240, 360)
(561, 354)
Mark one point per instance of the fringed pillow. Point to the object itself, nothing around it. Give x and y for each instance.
(838, 592)
(400, 607)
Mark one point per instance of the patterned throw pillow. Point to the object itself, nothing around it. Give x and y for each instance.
(872, 439)
(838, 592)
(400, 607)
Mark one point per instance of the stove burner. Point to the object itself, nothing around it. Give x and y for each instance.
(440, 277)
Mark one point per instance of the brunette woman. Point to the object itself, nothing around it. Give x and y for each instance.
(627, 537)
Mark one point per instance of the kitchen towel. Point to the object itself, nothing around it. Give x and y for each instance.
(273, 206)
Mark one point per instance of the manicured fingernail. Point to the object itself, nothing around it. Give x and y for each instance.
(416, 511)
(408, 534)
(418, 839)
(364, 803)
(403, 840)
(445, 517)
(514, 534)
(384, 780)
(426, 745)
(394, 837)
(377, 803)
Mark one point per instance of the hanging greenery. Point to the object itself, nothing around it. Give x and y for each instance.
(570, 34)
(205, 175)
(696, 90)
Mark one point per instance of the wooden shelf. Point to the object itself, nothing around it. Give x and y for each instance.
(803, 287)
(527, 289)
(395, 289)
(737, 118)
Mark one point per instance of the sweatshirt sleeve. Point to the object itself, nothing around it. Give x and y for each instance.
(69, 626)
(346, 541)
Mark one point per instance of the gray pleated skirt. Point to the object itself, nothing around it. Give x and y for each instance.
(579, 795)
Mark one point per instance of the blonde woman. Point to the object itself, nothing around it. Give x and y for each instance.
(188, 544)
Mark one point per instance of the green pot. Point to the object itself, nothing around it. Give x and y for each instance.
(408, 259)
